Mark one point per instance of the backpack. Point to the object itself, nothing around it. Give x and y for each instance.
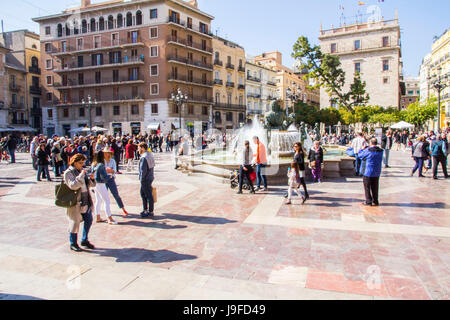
(65, 197)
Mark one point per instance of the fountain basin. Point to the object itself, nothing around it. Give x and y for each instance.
(215, 163)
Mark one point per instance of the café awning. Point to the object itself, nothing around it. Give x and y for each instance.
(154, 126)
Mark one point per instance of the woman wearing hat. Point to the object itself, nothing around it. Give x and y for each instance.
(111, 168)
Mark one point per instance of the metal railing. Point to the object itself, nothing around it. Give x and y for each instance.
(241, 69)
(34, 70)
(14, 87)
(271, 83)
(230, 84)
(103, 100)
(251, 78)
(16, 105)
(36, 90)
(188, 26)
(190, 62)
(252, 111)
(17, 121)
(173, 77)
(102, 45)
(125, 61)
(241, 87)
(218, 81)
(195, 45)
(103, 81)
(253, 95)
(230, 66)
(227, 106)
(218, 63)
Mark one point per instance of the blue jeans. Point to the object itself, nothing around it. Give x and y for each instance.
(12, 154)
(358, 165)
(112, 186)
(419, 165)
(147, 195)
(259, 175)
(87, 218)
(45, 169)
(386, 157)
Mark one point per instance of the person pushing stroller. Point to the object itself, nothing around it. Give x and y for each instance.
(246, 168)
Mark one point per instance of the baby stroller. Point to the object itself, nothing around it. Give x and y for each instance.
(234, 180)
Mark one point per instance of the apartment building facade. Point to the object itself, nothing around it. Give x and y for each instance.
(116, 64)
(412, 92)
(435, 64)
(229, 109)
(374, 50)
(23, 77)
(261, 88)
(3, 89)
(288, 78)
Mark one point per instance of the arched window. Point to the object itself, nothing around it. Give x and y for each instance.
(34, 62)
(75, 27)
(110, 22)
(101, 24)
(129, 19)
(84, 26)
(60, 31)
(138, 17)
(67, 29)
(93, 29)
(119, 21)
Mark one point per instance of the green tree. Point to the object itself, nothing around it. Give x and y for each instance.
(326, 69)
(419, 113)
(330, 116)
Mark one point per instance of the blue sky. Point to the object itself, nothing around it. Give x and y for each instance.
(263, 25)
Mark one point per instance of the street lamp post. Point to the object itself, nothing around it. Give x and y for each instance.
(89, 104)
(439, 84)
(179, 99)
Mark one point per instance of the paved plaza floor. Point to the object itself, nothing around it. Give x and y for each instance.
(207, 242)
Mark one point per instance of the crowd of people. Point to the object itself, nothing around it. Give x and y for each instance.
(92, 162)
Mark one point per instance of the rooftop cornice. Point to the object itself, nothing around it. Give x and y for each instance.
(109, 5)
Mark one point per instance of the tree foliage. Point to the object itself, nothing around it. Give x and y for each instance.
(418, 113)
(326, 69)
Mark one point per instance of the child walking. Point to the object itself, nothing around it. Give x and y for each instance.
(294, 182)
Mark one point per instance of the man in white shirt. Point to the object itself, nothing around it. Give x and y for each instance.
(358, 144)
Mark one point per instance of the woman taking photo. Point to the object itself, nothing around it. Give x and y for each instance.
(101, 193)
(76, 178)
(111, 168)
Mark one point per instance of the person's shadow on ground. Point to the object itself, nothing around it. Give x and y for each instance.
(143, 255)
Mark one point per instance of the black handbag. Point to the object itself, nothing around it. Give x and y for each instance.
(65, 197)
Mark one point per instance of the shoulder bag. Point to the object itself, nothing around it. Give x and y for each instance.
(65, 197)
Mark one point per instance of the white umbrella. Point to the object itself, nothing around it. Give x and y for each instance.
(95, 129)
(402, 125)
(86, 129)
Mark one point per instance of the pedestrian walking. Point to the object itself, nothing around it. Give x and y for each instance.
(146, 178)
(315, 158)
(294, 182)
(261, 163)
(111, 168)
(419, 154)
(76, 178)
(246, 168)
(371, 179)
(439, 154)
(386, 144)
(101, 193)
(43, 162)
(11, 145)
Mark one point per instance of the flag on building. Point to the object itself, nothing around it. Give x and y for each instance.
(360, 3)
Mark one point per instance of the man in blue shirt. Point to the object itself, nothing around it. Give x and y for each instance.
(373, 155)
